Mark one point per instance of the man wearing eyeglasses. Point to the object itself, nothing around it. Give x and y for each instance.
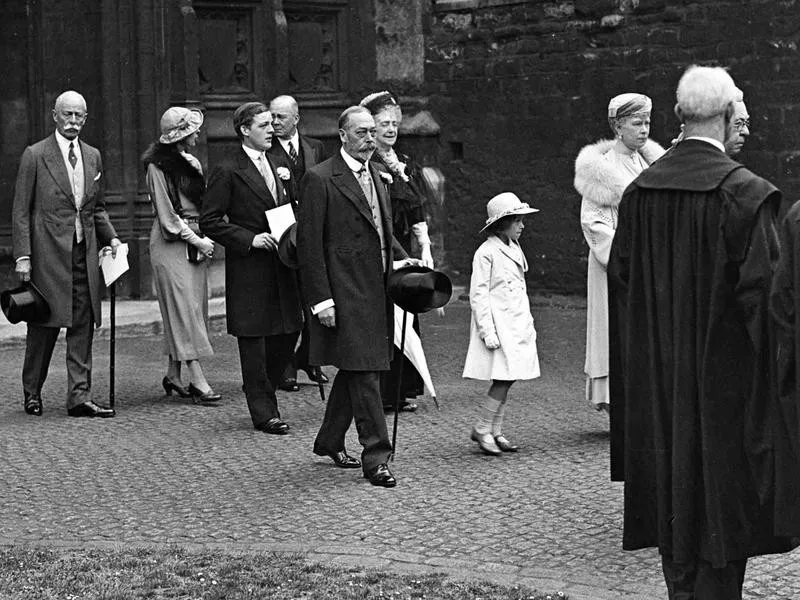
(739, 126)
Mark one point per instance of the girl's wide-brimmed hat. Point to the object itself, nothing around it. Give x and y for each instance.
(504, 205)
(178, 123)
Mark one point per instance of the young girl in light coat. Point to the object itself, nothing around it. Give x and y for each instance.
(502, 345)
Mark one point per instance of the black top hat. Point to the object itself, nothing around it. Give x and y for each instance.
(287, 247)
(25, 303)
(419, 289)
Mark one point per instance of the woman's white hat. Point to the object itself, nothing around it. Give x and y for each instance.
(178, 123)
(506, 204)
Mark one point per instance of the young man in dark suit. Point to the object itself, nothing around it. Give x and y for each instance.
(261, 294)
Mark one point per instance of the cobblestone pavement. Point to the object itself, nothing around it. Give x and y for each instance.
(165, 471)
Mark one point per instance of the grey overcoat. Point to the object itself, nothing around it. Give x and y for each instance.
(43, 224)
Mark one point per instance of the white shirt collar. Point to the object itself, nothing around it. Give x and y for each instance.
(63, 143)
(295, 139)
(712, 141)
(254, 154)
(354, 164)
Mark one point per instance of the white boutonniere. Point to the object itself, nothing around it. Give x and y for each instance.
(387, 179)
(401, 170)
(284, 173)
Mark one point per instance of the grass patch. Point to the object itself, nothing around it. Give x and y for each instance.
(28, 573)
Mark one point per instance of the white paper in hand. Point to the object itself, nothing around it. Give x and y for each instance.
(280, 219)
(112, 266)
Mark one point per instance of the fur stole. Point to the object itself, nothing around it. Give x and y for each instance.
(182, 175)
(598, 180)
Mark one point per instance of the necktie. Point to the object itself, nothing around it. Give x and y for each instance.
(266, 173)
(73, 160)
(365, 181)
(366, 185)
(293, 155)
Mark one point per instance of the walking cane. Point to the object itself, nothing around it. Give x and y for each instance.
(321, 388)
(415, 290)
(112, 290)
(399, 390)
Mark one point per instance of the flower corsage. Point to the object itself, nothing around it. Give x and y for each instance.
(284, 173)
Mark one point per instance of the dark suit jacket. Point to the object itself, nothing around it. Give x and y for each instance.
(261, 294)
(44, 224)
(312, 152)
(340, 258)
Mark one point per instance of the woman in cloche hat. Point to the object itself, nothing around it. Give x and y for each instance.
(502, 341)
(178, 251)
(602, 172)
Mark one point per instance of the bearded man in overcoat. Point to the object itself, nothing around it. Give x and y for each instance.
(346, 249)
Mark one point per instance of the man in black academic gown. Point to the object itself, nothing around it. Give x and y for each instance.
(692, 420)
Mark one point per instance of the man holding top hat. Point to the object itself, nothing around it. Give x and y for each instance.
(346, 250)
(59, 220)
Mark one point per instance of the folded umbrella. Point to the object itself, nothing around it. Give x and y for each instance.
(412, 349)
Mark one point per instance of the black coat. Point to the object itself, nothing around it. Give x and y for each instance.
(340, 258)
(691, 412)
(261, 294)
(785, 308)
(311, 152)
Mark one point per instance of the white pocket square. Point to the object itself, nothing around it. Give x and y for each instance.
(98, 176)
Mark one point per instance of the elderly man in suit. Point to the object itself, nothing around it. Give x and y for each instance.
(738, 127)
(345, 249)
(261, 294)
(58, 216)
(298, 153)
(289, 148)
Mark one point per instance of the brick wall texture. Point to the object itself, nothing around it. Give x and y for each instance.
(519, 87)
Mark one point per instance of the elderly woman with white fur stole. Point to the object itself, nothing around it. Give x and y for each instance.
(602, 172)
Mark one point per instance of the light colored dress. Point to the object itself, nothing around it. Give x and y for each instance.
(602, 173)
(181, 286)
(499, 300)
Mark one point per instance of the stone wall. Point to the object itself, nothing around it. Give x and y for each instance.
(519, 87)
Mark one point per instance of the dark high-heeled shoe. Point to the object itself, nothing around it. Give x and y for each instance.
(202, 398)
(170, 386)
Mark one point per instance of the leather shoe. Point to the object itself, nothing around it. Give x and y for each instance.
(504, 445)
(33, 405)
(170, 386)
(486, 442)
(90, 409)
(199, 397)
(316, 375)
(343, 460)
(289, 385)
(381, 475)
(274, 426)
(405, 406)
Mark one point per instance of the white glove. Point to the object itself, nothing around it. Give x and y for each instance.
(420, 231)
(492, 342)
(206, 246)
